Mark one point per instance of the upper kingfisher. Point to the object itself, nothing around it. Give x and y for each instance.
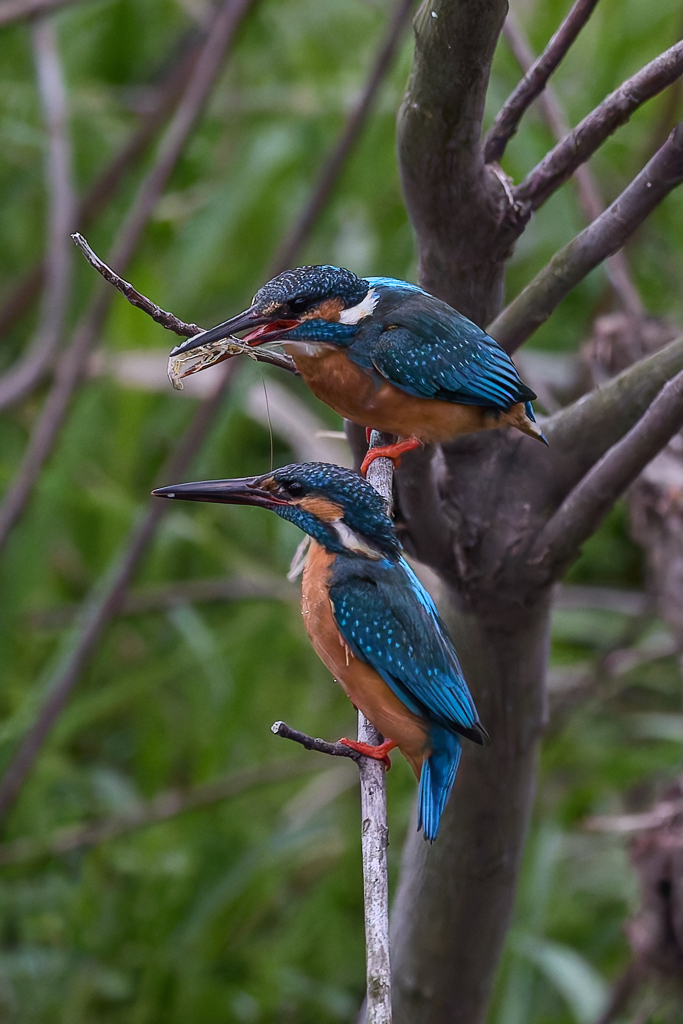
(369, 619)
(385, 354)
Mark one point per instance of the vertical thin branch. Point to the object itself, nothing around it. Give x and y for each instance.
(375, 831)
(329, 173)
(71, 367)
(61, 206)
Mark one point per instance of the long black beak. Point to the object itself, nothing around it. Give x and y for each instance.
(243, 491)
(242, 322)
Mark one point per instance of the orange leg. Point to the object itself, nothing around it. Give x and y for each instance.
(389, 451)
(380, 753)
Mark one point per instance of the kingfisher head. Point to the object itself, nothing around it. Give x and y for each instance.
(335, 506)
(327, 295)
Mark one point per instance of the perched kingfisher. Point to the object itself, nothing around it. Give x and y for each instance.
(383, 353)
(369, 619)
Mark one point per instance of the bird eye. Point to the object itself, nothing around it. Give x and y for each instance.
(300, 305)
(295, 488)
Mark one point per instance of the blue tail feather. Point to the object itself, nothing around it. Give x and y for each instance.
(529, 409)
(436, 781)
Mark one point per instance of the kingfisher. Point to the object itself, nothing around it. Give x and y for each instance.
(383, 353)
(369, 619)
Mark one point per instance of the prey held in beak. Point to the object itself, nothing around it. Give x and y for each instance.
(218, 343)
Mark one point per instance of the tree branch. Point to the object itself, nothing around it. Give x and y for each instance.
(590, 199)
(20, 379)
(589, 134)
(104, 602)
(163, 97)
(585, 430)
(315, 743)
(286, 252)
(168, 804)
(535, 80)
(455, 203)
(375, 831)
(169, 320)
(582, 511)
(71, 366)
(19, 10)
(601, 239)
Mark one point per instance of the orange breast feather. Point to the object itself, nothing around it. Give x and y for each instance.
(366, 689)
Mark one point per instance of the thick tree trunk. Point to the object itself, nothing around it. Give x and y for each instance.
(445, 949)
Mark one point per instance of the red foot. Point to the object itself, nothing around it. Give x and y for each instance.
(389, 451)
(380, 753)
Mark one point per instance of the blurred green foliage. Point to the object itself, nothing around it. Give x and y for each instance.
(251, 911)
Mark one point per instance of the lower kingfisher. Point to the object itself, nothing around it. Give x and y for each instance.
(369, 619)
(383, 353)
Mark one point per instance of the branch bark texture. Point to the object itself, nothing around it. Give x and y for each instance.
(455, 203)
(588, 136)
(601, 239)
(473, 509)
(534, 80)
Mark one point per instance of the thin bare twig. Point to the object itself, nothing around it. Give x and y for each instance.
(71, 366)
(18, 10)
(174, 595)
(161, 101)
(535, 80)
(375, 831)
(169, 320)
(601, 239)
(17, 382)
(105, 601)
(587, 186)
(168, 804)
(333, 164)
(315, 743)
(581, 512)
(561, 162)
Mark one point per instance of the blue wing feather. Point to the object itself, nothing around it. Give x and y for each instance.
(389, 621)
(431, 351)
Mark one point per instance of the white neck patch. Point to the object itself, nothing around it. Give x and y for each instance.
(364, 308)
(354, 542)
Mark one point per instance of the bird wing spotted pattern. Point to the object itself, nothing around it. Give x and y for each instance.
(389, 621)
(436, 352)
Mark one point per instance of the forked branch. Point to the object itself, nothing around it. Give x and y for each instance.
(589, 195)
(582, 511)
(601, 239)
(534, 81)
(561, 162)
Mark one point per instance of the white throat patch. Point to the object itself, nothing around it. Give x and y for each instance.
(354, 542)
(364, 308)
